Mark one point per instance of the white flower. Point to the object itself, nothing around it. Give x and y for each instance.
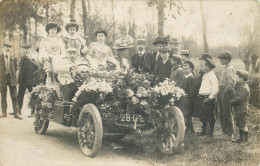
(143, 103)
(129, 92)
(135, 100)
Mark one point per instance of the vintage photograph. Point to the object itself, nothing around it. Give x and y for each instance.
(130, 82)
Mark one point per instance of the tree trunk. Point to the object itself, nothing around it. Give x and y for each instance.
(113, 15)
(161, 18)
(35, 33)
(47, 12)
(206, 48)
(72, 9)
(88, 7)
(84, 17)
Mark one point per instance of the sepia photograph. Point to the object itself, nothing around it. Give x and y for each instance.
(130, 82)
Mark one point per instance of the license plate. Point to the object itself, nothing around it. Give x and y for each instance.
(131, 118)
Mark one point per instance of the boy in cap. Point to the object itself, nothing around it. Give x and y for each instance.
(227, 84)
(240, 104)
(207, 93)
(8, 69)
(25, 76)
(159, 43)
(141, 61)
(163, 68)
(186, 103)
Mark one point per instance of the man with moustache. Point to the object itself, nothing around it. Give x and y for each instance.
(141, 61)
(8, 69)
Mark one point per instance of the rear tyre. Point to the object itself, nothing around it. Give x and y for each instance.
(170, 138)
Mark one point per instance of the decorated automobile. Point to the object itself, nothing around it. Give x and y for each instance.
(111, 103)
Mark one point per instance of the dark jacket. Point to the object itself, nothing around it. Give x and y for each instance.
(13, 70)
(242, 95)
(155, 62)
(142, 63)
(162, 71)
(27, 67)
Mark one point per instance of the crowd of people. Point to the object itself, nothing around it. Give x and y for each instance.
(204, 90)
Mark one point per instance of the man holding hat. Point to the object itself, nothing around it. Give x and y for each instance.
(141, 61)
(240, 104)
(227, 84)
(8, 69)
(25, 76)
(73, 39)
(159, 43)
(163, 68)
(207, 94)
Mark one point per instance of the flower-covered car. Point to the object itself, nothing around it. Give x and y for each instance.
(113, 103)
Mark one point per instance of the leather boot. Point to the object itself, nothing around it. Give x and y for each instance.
(204, 129)
(3, 116)
(241, 138)
(246, 136)
(211, 129)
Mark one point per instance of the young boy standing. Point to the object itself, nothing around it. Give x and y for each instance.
(240, 104)
(207, 93)
(186, 103)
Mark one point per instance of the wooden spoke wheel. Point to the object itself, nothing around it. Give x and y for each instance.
(41, 122)
(90, 130)
(170, 138)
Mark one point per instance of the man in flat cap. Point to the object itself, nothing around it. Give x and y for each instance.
(141, 61)
(159, 43)
(240, 104)
(8, 69)
(163, 68)
(25, 76)
(176, 71)
(207, 94)
(227, 84)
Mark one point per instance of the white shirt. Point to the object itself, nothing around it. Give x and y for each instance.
(141, 53)
(209, 85)
(7, 61)
(157, 55)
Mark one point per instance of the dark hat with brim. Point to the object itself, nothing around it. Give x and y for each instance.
(101, 30)
(52, 25)
(185, 52)
(140, 41)
(7, 43)
(165, 49)
(160, 40)
(209, 62)
(205, 55)
(26, 45)
(189, 63)
(225, 55)
(242, 73)
(72, 23)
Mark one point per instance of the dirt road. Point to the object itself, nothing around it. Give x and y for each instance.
(21, 146)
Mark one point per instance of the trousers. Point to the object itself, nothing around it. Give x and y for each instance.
(225, 111)
(21, 91)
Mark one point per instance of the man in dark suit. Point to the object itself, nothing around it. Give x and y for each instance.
(8, 69)
(141, 61)
(159, 43)
(163, 67)
(25, 77)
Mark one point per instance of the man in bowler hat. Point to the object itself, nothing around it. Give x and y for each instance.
(8, 69)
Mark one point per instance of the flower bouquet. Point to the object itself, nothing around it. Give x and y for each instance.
(124, 42)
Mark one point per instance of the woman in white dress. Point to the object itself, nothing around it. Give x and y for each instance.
(52, 50)
(99, 54)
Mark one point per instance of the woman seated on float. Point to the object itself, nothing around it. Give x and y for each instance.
(99, 54)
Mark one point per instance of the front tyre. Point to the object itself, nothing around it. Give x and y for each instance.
(170, 138)
(90, 131)
(41, 122)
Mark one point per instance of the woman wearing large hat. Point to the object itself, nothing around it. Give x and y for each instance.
(99, 54)
(72, 39)
(52, 50)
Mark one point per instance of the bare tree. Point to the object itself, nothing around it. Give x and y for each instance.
(113, 18)
(72, 8)
(84, 17)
